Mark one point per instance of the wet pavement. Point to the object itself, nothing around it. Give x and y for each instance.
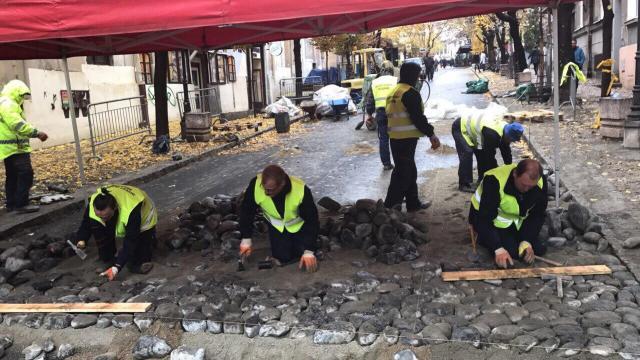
(333, 159)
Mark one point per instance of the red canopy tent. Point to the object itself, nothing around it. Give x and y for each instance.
(39, 29)
(53, 29)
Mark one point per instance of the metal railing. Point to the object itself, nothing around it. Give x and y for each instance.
(116, 119)
(201, 100)
(300, 88)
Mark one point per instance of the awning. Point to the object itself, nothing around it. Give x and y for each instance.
(51, 29)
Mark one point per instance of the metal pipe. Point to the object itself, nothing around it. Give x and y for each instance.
(72, 112)
(556, 103)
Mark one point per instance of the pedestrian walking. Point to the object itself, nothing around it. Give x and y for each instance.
(407, 124)
(15, 150)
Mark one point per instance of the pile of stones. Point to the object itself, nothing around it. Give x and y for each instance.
(575, 225)
(46, 349)
(212, 223)
(388, 235)
(20, 263)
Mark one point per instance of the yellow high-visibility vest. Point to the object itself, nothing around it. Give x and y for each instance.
(127, 198)
(292, 222)
(509, 210)
(381, 88)
(400, 125)
(471, 126)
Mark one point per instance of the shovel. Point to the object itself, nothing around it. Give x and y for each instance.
(81, 254)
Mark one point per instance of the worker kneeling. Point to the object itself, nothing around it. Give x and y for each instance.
(482, 135)
(126, 212)
(287, 204)
(508, 209)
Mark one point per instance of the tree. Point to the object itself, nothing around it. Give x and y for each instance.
(485, 34)
(530, 27)
(607, 34)
(324, 44)
(565, 12)
(419, 36)
(511, 17)
(297, 60)
(160, 90)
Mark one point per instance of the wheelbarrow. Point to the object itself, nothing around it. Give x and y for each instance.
(340, 108)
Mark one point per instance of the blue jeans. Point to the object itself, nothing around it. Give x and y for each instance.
(381, 120)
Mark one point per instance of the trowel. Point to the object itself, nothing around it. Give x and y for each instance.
(81, 254)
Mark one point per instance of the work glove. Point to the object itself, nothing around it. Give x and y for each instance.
(245, 247)
(81, 244)
(503, 258)
(110, 273)
(525, 251)
(308, 261)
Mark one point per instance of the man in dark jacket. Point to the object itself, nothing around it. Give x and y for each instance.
(508, 211)
(288, 206)
(407, 124)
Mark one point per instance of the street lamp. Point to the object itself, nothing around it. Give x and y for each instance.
(632, 124)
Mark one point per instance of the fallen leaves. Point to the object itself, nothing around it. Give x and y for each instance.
(57, 164)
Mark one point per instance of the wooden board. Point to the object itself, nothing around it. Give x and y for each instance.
(76, 308)
(525, 273)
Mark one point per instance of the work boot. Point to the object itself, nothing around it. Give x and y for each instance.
(388, 166)
(466, 188)
(28, 209)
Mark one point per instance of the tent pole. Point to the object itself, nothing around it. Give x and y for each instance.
(556, 103)
(72, 113)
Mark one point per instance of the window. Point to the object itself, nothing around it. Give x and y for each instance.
(231, 68)
(146, 72)
(598, 11)
(176, 72)
(632, 9)
(577, 15)
(100, 60)
(218, 64)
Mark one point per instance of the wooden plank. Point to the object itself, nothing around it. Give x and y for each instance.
(76, 308)
(525, 273)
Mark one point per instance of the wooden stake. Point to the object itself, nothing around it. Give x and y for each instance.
(473, 239)
(550, 262)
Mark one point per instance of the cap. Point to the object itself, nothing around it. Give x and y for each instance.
(514, 131)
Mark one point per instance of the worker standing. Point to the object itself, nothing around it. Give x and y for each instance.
(481, 134)
(15, 133)
(120, 211)
(407, 124)
(287, 205)
(508, 210)
(376, 100)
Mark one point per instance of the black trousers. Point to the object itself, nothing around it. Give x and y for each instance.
(486, 161)
(404, 177)
(465, 155)
(19, 179)
(510, 238)
(288, 247)
(139, 251)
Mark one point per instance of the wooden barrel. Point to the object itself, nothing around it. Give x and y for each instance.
(197, 126)
(613, 113)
